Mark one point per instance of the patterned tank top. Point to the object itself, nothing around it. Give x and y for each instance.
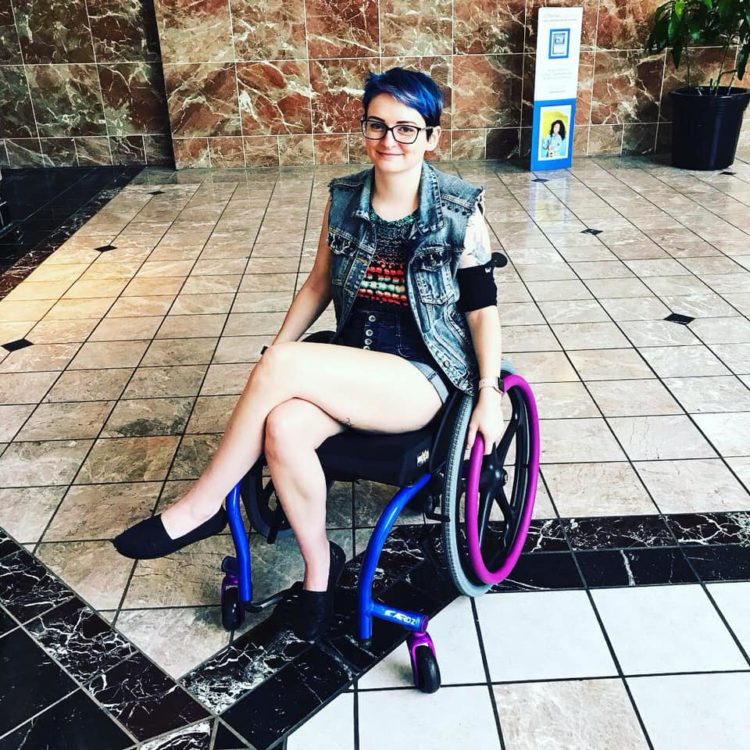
(384, 282)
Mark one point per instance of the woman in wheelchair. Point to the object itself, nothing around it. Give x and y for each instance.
(404, 253)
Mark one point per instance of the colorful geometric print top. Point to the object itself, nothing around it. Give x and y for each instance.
(384, 282)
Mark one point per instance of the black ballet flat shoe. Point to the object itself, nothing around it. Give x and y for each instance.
(308, 614)
(148, 539)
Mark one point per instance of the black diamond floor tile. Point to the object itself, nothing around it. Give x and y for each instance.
(14, 346)
(678, 318)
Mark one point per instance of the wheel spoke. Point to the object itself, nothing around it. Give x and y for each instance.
(502, 501)
(485, 507)
(510, 432)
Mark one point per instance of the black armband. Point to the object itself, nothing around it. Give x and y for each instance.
(476, 286)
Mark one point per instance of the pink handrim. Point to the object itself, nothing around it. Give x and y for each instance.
(472, 492)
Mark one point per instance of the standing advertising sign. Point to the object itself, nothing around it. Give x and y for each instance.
(555, 84)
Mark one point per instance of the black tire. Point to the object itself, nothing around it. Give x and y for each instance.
(232, 611)
(456, 555)
(428, 672)
(502, 534)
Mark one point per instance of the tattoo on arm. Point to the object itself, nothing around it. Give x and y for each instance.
(477, 250)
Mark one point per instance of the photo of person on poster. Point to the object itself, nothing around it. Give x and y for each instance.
(555, 145)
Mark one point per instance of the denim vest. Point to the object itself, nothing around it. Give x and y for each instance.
(436, 244)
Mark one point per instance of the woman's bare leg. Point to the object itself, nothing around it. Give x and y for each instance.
(294, 430)
(359, 388)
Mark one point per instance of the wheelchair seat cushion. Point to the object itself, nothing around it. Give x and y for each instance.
(398, 459)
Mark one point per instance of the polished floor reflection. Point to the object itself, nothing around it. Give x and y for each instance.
(625, 304)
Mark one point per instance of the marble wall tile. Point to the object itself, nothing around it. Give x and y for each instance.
(274, 97)
(61, 152)
(226, 152)
(16, 112)
(357, 153)
(581, 139)
(410, 27)
(133, 98)
(239, 73)
(624, 24)
(488, 27)
(627, 87)
(503, 143)
(261, 151)
(331, 149)
(639, 138)
(342, 28)
(10, 49)
(67, 100)
(25, 152)
(296, 150)
(604, 139)
(191, 152)
(337, 89)
(158, 150)
(468, 144)
(269, 29)
(487, 91)
(93, 150)
(53, 31)
(197, 31)
(202, 99)
(124, 32)
(585, 88)
(127, 149)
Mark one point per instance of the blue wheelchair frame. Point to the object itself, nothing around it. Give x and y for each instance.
(368, 608)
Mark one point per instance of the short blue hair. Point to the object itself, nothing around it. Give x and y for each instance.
(414, 89)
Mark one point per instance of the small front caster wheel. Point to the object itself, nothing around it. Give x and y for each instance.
(426, 670)
(232, 610)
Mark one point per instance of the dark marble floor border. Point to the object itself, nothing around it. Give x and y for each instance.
(90, 681)
(37, 237)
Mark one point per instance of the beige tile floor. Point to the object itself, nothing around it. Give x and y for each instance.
(140, 353)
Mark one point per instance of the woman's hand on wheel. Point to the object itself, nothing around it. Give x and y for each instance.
(486, 418)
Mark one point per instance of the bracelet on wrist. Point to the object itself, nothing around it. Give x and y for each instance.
(492, 388)
(490, 382)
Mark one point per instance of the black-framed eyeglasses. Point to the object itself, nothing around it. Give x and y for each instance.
(375, 130)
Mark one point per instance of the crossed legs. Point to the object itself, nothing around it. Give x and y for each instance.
(299, 394)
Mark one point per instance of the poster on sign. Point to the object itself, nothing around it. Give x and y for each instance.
(555, 84)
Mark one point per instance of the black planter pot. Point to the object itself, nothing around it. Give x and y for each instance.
(706, 128)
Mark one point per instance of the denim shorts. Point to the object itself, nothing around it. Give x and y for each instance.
(394, 332)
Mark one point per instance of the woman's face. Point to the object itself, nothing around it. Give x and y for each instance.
(388, 155)
(556, 128)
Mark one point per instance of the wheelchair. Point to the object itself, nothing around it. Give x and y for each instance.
(484, 505)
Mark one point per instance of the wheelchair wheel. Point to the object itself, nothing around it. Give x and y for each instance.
(507, 480)
(232, 611)
(427, 676)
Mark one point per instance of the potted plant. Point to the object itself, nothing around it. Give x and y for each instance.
(706, 119)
